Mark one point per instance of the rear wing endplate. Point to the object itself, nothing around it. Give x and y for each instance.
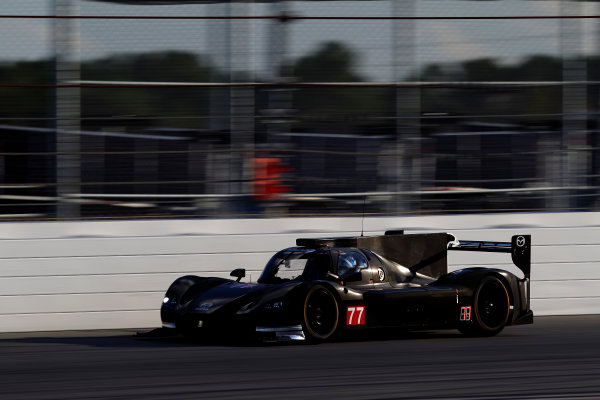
(519, 247)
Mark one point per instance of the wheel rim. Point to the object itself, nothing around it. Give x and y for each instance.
(321, 313)
(492, 305)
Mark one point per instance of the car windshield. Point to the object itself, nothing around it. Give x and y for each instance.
(295, 263)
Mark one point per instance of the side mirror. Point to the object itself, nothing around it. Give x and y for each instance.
(238, 273)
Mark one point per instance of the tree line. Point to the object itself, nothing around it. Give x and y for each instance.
(330, 62)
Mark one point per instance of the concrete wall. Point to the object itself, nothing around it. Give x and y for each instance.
(113, 274)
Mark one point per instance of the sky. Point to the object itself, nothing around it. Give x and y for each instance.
(436, 41)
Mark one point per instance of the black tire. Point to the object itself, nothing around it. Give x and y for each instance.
(491, 307)
(321, 314)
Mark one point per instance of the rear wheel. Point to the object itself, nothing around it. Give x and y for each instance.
(321, 314)
(491, 307)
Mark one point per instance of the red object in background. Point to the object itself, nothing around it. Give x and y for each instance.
(267, 182)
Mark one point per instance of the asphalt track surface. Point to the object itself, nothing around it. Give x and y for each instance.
(556, 358)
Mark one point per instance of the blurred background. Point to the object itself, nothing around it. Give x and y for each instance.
(149, 109)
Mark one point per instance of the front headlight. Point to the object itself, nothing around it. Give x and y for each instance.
(168, 301)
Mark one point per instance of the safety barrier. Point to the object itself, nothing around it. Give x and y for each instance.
(113, 274)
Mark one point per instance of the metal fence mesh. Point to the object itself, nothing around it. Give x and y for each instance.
(109, 109)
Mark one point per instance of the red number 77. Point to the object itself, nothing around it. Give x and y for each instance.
(360, 315)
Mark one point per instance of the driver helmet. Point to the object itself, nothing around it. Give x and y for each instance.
(348, 264)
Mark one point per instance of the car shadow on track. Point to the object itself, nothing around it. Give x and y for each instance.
(159, 335)
(165, 338)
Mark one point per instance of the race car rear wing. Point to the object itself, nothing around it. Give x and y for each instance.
(519, 247)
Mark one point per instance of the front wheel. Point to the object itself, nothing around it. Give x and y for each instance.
(321, 314)
(491, 307)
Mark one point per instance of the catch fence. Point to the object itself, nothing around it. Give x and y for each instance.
(293, 109)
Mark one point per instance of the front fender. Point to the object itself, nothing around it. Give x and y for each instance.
(185, 288)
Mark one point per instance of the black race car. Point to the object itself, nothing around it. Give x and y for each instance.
(324, 287)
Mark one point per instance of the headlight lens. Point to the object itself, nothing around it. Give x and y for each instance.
(169, 301)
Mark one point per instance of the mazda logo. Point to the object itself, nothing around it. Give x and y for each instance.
(520, 241)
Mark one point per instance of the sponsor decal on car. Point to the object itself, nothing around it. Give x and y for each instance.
(355, 315)
(465, 313)
(204, 307)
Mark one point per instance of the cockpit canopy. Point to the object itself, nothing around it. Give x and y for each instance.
(313, 264)
(347, 264)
